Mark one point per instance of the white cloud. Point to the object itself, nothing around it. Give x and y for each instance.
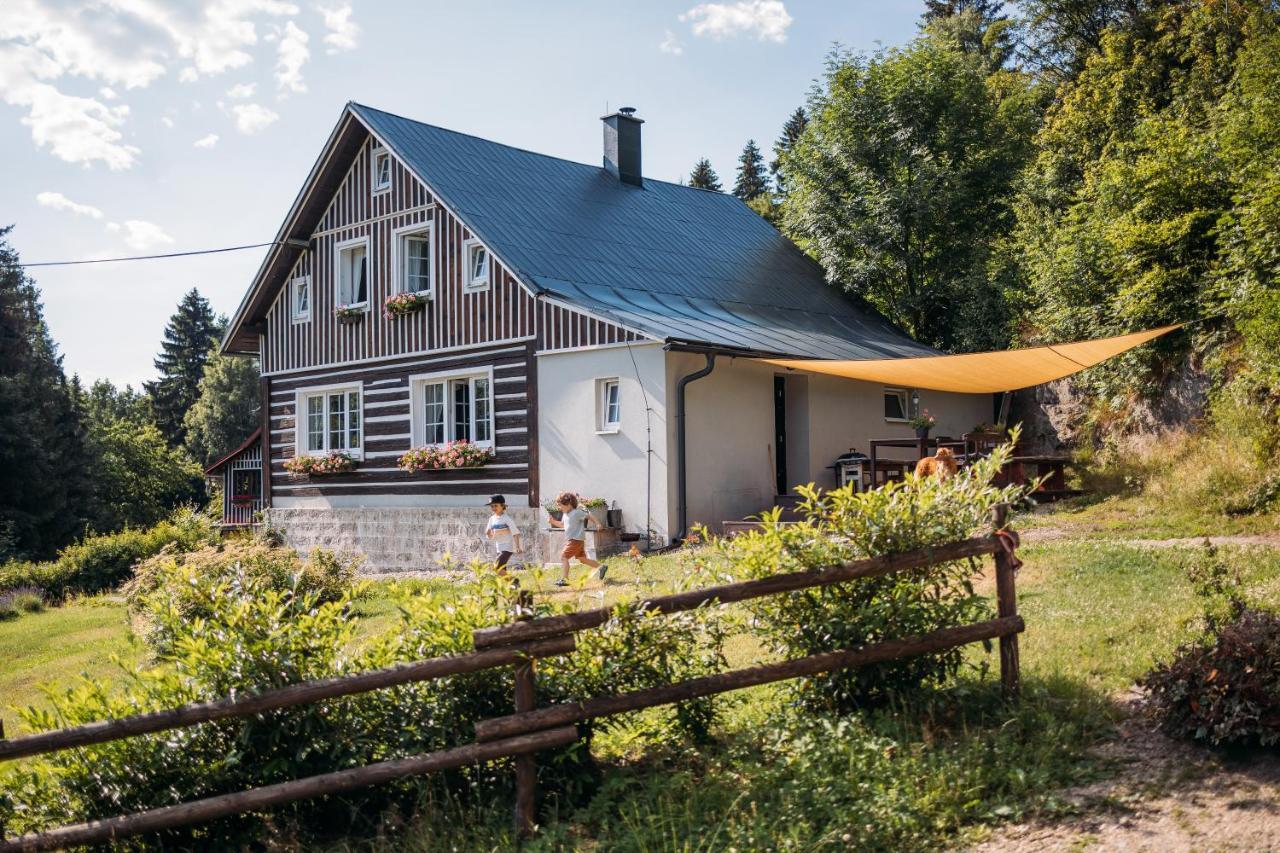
(251, 118)
(140, 234)
(207, 141)
(166, 121)
(670, 44)
(242, 90)
(107, 93)
(292, 54)
(767, 20)
(84, 39)
(58, 201)
(343, 32)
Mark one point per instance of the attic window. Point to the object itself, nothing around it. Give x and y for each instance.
(381, 170)
(477, 265)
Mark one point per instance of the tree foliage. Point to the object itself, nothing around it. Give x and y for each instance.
(900, 184)
(753, 178)
(191, 331)
(228, 409)
(791, 133)
(704, 177)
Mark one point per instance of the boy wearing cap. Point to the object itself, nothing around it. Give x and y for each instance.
(502, 531)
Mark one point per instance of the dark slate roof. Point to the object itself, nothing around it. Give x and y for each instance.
(679, 264)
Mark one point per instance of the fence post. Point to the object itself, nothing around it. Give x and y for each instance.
(1006, 605)
(525, 700)
(1, 816)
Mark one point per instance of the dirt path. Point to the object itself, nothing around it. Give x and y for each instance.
(1168, 796)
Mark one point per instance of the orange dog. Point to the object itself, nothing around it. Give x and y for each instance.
(942, 466)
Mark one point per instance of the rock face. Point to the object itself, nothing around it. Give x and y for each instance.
(408, 539)
(1053, 416)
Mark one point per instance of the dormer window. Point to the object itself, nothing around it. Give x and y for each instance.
(477, 265)
(381, 170)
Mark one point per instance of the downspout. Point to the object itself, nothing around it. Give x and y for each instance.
(682, 472)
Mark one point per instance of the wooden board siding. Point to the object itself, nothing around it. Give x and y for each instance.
(387, 428)
(561, 327)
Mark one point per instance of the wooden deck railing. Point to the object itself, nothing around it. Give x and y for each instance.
(530, 729)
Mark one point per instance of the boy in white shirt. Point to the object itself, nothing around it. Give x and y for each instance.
(502, 531)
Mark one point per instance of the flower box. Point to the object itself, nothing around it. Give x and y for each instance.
(403, 304)
(453, 455)
(349, 314)
(336, 462)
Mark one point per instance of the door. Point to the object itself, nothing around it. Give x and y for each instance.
(780, 433)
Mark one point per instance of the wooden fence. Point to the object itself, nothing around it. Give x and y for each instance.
(530, 729)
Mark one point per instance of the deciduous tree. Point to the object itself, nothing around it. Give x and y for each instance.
(229, 407)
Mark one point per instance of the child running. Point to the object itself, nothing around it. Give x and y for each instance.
(575, 536)
(502, 531)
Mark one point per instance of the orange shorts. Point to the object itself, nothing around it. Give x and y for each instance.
(574, 548)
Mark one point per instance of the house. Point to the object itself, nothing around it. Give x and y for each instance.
(595, 328)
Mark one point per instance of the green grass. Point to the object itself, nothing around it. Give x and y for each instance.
(58, 644)
(1143, 517)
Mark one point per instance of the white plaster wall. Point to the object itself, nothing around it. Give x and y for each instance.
(730, 436)
(573, 456)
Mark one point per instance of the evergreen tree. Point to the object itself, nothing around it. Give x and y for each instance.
(791, 132)
(44, 463)
(229, 407)
(753, 179)
(704, 177)
(192, 330)
(936, 9)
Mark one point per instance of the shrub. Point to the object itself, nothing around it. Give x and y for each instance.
(15, 602)
(1224, 687)
(181, 585)
(100, 563)
(845, 525)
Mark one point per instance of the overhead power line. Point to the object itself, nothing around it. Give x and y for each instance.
(152, 257)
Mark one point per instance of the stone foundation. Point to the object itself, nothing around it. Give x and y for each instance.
(405, 539)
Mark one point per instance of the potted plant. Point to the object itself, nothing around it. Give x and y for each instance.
(403, 304)
(453, 454)
(348, 314)
(922, 423)
(304, 465)
(597, 508)
(553, 508)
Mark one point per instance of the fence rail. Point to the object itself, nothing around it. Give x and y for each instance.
(530, 729)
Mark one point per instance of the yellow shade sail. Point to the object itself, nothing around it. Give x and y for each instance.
(980, 372)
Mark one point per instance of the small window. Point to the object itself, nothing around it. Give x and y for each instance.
(353, 273)
(895, 404)
(609, 415)
(453, 408)
(332, 421)
(415, 263)
(381, 170)
(302, 297)
(477, 265)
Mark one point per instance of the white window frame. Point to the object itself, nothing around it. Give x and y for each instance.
(905, 396)
(604, 426)
(378, 155)
(301, 429)
(399, 257)
(338, 249)
(294, 283)
(417, 404)
(468, 282)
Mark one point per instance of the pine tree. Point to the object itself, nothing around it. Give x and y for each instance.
(192, 330)
(988, 10)
(229, 407)
(753, 179)
(45, 467)
(704, 177)
(791, 133)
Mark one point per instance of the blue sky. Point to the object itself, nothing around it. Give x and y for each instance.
(144, 126)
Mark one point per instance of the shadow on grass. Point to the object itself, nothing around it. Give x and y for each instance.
(918, 775)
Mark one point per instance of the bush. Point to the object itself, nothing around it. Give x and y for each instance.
(100, 563)
(1224, 687)
(845, 525)
(15, 602)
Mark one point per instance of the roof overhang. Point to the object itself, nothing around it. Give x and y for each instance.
(322, 182)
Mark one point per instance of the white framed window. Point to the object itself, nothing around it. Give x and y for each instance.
(477, 270)
(352, 265)
(895, 404)
(301, 295)
(452, 406)
(608, 405)
(330, 417)
(381, 165)
(414, 259)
